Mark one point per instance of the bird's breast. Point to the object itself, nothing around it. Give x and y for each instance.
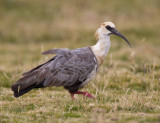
(100, 51)
(100, 56)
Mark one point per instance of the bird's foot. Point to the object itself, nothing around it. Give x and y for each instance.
(85, 94)
(88, 95)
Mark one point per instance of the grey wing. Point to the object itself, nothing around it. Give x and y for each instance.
(70, 68)
(67, 68)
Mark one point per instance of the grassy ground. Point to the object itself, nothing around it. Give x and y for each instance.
(127, 87)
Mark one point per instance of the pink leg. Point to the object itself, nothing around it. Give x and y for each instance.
(84, 94)
(72, 95)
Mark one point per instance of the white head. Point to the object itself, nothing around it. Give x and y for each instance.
(106, 29)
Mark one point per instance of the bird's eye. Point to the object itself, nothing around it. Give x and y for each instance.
(108, 28)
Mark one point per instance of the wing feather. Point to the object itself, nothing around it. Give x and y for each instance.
(67, 68)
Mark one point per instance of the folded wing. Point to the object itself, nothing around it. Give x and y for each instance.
(67, 68)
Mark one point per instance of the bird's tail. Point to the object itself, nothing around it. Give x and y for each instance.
(29, 80)
(16, 88)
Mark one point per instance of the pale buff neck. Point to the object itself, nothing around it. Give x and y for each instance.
(101, 48)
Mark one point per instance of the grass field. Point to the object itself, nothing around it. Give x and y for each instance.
(127, 87)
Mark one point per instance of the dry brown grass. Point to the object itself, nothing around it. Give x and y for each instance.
(127, 87)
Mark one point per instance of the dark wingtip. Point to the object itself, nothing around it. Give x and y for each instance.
(14, 88)
(16, 95)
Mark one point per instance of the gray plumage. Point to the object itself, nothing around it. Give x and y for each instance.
(69, 68)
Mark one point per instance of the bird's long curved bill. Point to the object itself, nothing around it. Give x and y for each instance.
(115, 32)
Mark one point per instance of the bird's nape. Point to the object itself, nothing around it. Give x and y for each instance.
(115, 32)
